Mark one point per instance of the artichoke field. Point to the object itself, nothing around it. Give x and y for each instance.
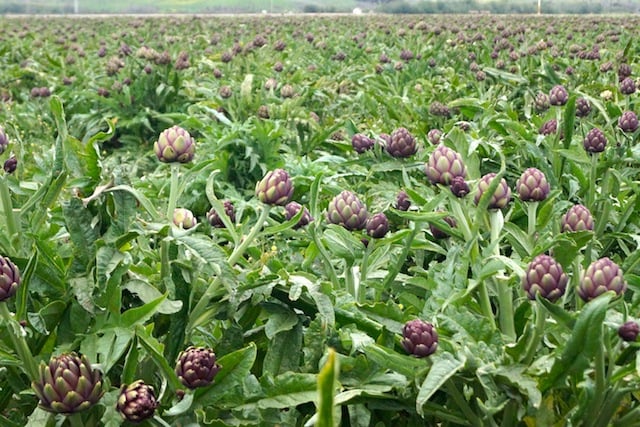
(292, 220)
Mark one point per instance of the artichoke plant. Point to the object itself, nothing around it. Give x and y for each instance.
(601, 276)
(183, 218)
(347, 210)
(9, 278)
(68, 384)
(276, 188)
(629, 331)
(434, 136)
(501, 196)
(628, 122)
(595, 141)
(443, 165)
(541, 102)
(215, 220)
(4, 140)
(377, 225)
(577, 218)
(532, 186)
(197, 367)
(558, 95)
(292, 209)
(549, 127)
(419, 338)
(137, 401)
(175, 145)
(402, 144)
(544, 276)
(361, 143)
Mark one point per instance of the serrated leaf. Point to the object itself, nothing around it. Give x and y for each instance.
(444, 366)
(406, 365)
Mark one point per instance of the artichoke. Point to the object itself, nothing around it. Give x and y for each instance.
(215, 220)
(549, 127)
(628, 122)
(377, 225)
(420, 338)
(4, 141)
(577, 218)
(401, 144)
(629, 331)
(439, 109)
(361, 143)
(10, 165)
(544, 276)
(583, 107)
(275, 188)
(558, 95)
(624, 70)
(601, 276)
(175, 145)
(348, 211)
(292, 209)
(438, 233)
(68, 384)
(541, 102)
(196, 367)
(595, 141)
(532, 186)
(9, 278)
(183, 218)
(402, 201)
(443, 165)
(434, 136)
(137, 401)
(500, 198)
(459, 186)
(627, 86)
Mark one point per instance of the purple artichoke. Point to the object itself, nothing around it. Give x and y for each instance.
(439, 233)
(348, 211)
(292, 209)
(577, 218)
(401, 144)
(9, 278)
(361, 143)
(459, 186)
(544, 276)
(402, 201)
(175, 145)
(4, 141)
(583, 107)
(196, 367)
(627, 86)
(443, 165)
(137, 401)
(601, 276)
(532, 186)
(558, 95)
(500, 198)
(377, 225)
(420, 338)
(628, 122)
(595, 141)
(629, 331)
(275, 188)
(215, 220)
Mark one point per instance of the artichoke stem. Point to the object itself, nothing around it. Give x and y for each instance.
(537, 333)
(173, 191)
(19, 344)
(591, 195)
(532, 210)
(7, 209)
(75, 420)
(239, 250)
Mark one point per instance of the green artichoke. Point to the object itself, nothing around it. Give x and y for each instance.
(137, 401)
(183, 218)
(175, 145)
(443, 165)
(196, 367)
(275, 188)
(544, 276)
(9, 278)
(419, 338)
(532, 186)
(68, 384)
(601, 276)
(500, 198)
(348, 211)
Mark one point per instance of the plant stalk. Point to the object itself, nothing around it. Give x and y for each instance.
(538, 331)
(460, 401)
(7, 209)
(532, 211)
(503, 290)
(171, 206)
(591, 194)
(19, 343)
